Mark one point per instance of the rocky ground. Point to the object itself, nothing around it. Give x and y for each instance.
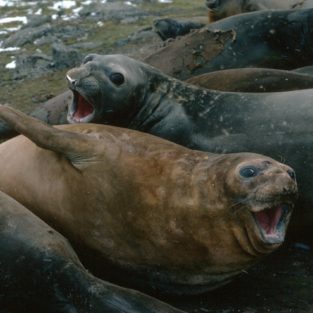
(40, 40)
(48, 41)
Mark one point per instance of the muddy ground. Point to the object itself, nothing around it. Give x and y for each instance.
(47, 47)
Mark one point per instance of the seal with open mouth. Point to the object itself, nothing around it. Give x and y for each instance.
(175, 219)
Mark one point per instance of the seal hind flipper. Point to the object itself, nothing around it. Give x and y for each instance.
(41, 272)
(75, 147)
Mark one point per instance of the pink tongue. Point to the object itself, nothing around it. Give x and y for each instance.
(269, 218)
(84, 108)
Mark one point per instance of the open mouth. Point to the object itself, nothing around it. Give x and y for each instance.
(80, 110)
(272, 223)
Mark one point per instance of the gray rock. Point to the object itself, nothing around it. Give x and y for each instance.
(115, 11)
(27, 35)
(65, 57)
(31, 65)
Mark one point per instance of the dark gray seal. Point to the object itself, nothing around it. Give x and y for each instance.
(40, 272)
(280, 39)
(219, 9)
(277, 39)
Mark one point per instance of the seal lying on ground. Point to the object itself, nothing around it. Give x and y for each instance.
(218, 9)
(40, 272)
(253, 80)
(278, 39)
(229, 43)
(124, 92)
(180, 220)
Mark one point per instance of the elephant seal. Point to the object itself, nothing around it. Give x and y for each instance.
(279, 39)
(277, 124)
(40, 272)
(253, 80)
(183, 221)
(219, 9)
(228, 43)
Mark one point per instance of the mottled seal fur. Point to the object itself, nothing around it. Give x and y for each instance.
(182, 221)
(253, 80)
(40, 272)
(277, 124)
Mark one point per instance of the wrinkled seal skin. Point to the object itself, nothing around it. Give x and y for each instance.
(279, 39)
(182, 221)
(253, 80)
(40, 272)
(277, 124)
(219, 9)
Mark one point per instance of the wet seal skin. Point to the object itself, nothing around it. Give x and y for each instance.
(179, 220)
(277, 124)
(219, 9)
(40, 272)
(253, 80)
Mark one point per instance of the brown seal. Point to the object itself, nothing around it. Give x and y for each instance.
(40, 272)
(253, 80)
(219, 9)
(184, 221)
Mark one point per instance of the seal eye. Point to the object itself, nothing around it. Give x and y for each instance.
(117, 78)
(292, 174)
(248, 171)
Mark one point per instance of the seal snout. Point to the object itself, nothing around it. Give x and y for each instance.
(81, 110)
(272, 190)
(71, 81)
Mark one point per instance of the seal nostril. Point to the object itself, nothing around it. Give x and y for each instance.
(71, 80)
(292, 174)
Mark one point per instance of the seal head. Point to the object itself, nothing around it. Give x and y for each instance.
(103, 86)
(267, 192)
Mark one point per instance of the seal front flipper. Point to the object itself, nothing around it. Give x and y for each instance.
(40, 272)
(75, 147)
